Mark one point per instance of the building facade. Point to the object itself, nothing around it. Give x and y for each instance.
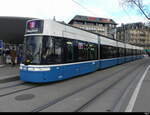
(135, 33)
(101, 26)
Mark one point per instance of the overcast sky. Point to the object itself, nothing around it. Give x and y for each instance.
(65, 10)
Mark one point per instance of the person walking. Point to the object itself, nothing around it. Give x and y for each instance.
(13, 55)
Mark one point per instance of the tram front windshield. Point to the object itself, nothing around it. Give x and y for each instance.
(33, 48)
(42, 50)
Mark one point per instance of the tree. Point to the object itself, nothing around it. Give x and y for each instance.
(139, 4)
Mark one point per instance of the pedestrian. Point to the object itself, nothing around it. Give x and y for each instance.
(8, 57)
(13, 55)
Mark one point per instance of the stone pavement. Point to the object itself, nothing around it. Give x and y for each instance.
(7, 71)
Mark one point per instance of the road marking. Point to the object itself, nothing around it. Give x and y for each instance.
(136, 92)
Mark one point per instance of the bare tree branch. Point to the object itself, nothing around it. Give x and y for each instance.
(138, 4)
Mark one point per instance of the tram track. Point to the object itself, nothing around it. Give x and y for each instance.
(90, 102)
(13, 78)
(16, 88)
(117, 107)
(10, 86)
(59, 99)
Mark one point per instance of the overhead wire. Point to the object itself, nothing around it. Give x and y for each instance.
(84, 7)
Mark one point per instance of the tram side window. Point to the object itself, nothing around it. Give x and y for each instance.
(82, 51)
(127, 52)
(103, 51)
(105, 54)
(130, 52)
(93, 51)
(138, 52)
(117, 52)
(68, 50)
(108, 52)
(133, 52)
(76, 51)
(48, 50)
(111, 52)
(114, 52)
(52, 52)
(121, 52)
(86, 51)
(76, 55)
(58, 50)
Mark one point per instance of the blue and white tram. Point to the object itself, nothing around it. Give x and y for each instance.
(55, 51)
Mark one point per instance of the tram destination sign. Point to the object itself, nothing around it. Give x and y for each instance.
(34, 26)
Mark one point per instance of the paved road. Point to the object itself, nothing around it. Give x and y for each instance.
(8, 70)
(102, 91)
(9, 73)
(142, 103)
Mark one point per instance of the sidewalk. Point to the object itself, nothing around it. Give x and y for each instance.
(8, 72)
